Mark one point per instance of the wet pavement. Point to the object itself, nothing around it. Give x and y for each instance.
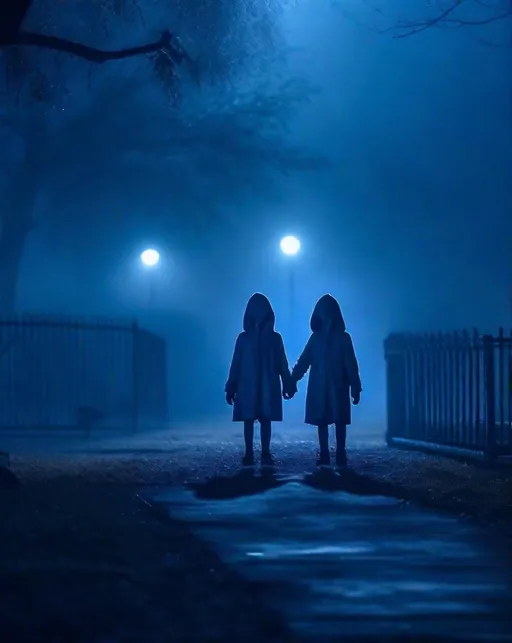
(340, 565)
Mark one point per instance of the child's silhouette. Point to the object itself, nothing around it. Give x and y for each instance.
(333, 378)
(259, 375)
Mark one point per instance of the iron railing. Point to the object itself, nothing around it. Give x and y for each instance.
(450, 390)
(80, 373)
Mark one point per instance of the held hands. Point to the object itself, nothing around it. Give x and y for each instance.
(356, 397)
(289, 391)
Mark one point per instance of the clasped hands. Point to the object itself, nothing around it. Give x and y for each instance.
(288, 393)
(289, 390)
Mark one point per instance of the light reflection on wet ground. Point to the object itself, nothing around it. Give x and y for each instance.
(337, 564)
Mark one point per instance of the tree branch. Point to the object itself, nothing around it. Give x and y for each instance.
(83, 51)
(412, 29)
(12, 15)
(445, 17)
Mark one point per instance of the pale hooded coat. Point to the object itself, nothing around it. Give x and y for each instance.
(259, 369)
(334, 372)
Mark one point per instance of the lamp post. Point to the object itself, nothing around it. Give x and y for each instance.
(290, 247)
(150, 259)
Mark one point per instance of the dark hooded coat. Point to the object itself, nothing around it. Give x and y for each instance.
(334, 372)
(259, 369)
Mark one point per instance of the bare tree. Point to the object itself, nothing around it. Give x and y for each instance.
(447, 14)
(13, 14)
(34, 86)
(226, 37)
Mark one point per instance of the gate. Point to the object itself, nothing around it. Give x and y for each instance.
(450, 390)
(58, 373)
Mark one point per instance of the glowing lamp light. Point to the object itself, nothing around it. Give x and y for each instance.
(150, 257)
(290, 245)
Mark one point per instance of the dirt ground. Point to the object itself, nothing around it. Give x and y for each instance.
(83, 558)
(467, 489)
(93, 563)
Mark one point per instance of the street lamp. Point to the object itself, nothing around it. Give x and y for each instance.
(290, 247)
(150, 257)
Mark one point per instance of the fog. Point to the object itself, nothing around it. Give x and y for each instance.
(389, 158)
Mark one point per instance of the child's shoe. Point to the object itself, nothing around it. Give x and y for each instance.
(341, 458)
(324, 460)
(248, 460)
(267, 460)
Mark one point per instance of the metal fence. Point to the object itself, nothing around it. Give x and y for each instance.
(452, 391)
(80, 373)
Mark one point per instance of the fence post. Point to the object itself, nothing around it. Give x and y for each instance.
(135, 376)
(490, 399)
(395, 387)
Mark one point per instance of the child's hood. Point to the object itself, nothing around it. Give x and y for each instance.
(259, 313)
(327, 314)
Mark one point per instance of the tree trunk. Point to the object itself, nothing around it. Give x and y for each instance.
(17, 208)
(12, 240)
(15, 224)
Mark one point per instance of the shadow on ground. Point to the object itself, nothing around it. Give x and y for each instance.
(243, 483)
(349, 481)
(247, 482)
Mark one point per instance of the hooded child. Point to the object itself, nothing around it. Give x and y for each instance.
(333, 378)
(259, 377)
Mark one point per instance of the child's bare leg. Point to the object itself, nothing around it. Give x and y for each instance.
(341, 436)
(323, 441)
(266, 436)
(323, 438)
(341, 439)
(249, 440)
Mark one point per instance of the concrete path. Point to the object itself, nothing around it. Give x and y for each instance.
(335, 564)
